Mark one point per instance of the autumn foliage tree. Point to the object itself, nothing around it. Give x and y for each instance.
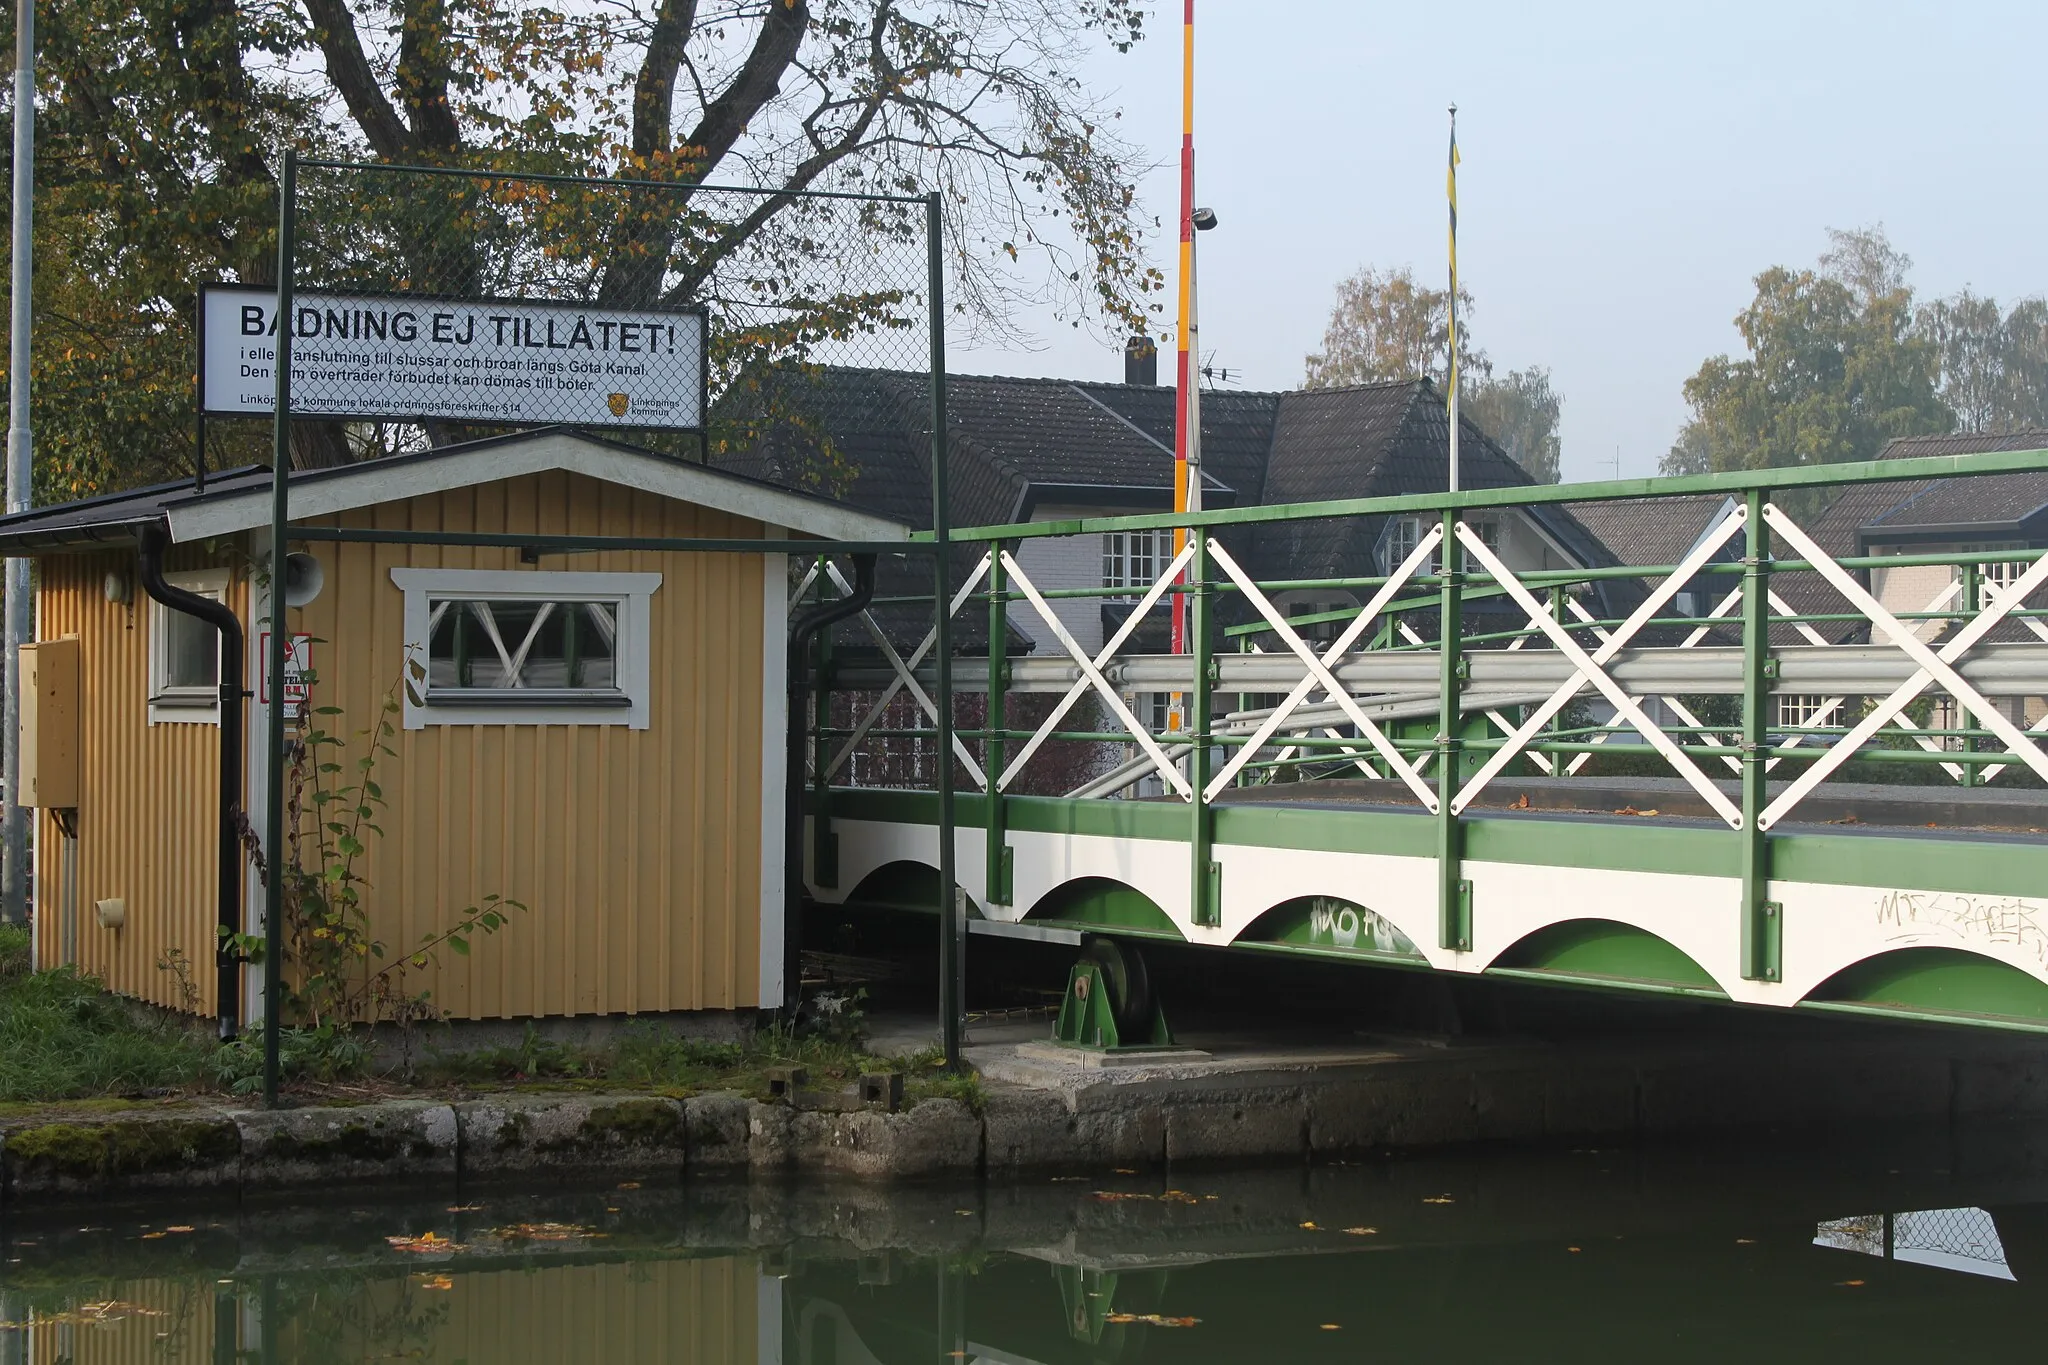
(1385, 325)
(164, 120)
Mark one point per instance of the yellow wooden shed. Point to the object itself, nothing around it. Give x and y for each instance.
(598, 735)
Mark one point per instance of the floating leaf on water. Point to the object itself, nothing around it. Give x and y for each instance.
(629, 1184)
(1848, 1284)
(425, 1242)
(1745, 1241)
(1573, 1250)
(1125, 1170)
(1362, 1232)
(1438, 1199)
(178, 1227)
(464, 1208)
(152, 1236)
(436, 1282)
(1151, 1319)
(544, 1232)
(1311, 1227)
(1332, 1327)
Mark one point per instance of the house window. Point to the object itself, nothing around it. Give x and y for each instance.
(1803, 710)
(1398, 541)
(1403, 534)
(490, 647)
(2002, 574)
(1135, 559)
(184, 655)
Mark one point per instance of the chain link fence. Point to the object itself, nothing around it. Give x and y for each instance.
(754, 329)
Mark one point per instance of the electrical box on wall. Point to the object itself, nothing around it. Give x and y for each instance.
(49, 723)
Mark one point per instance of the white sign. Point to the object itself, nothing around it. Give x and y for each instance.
(397, 357)
(298, 662)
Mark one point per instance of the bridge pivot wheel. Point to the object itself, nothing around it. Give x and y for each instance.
(1123, 972)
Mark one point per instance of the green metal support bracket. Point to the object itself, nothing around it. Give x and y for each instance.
(1454, 898)
(1088, 1017)
(1973, 602)
(1762, 918)
(1000, 864)
(1205, 905)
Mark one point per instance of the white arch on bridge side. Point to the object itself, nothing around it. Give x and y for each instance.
(1826, 928)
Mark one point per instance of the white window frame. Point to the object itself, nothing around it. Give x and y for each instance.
(1797, 710)
(2002, 573)
(631, 593)
(184, 705)
(1121, 549)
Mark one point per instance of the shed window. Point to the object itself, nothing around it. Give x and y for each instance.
(535, 648)
(511, 647)
(184, 655)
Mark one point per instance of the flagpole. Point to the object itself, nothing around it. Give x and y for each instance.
(1184, 402)
(1451, 187)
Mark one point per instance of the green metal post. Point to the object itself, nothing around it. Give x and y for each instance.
(1454, 893)
(1761, 921)
(952, 931)
(1205, 892)
(997, 889)
(1973, 602)
(280, 519)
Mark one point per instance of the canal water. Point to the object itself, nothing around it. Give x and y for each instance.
(1866, 1248)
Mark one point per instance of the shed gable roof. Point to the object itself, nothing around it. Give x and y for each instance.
(239, 500)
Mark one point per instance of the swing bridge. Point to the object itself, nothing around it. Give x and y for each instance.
(1758, 774)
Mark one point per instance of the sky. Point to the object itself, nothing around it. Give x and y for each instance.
(1627, 170)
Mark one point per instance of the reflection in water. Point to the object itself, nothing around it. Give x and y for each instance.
(1950, 1239)
(1585, 1257)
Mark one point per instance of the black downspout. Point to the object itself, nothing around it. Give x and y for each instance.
(801, 631)
(223, 619)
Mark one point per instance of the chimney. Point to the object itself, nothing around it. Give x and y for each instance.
(1141, 361)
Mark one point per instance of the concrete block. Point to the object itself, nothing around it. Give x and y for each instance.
(1253, 1125)
(1421, 1108)
(938, 1137)
(1118, 1127)
(121, 1156)
(715, 1132)
(771, 1137)
(519, 1134)
(398, 1141)
(1587, 1101)
(1510, 1104)
(1031, 1130)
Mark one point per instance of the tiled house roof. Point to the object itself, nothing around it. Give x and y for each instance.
(864, 435)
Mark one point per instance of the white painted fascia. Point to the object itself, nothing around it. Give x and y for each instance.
(384, 481)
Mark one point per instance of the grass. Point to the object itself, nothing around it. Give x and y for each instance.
(63, 1038)
(645, 1058)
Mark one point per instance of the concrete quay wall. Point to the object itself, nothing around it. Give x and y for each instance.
(1042, 1111)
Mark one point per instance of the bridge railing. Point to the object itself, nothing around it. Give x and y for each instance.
(1460, 640)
